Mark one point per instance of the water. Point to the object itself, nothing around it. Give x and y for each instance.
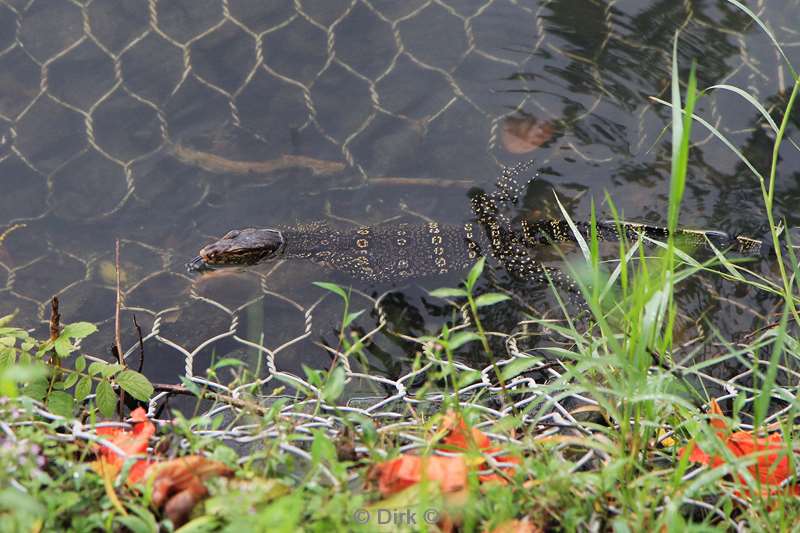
(97, 99)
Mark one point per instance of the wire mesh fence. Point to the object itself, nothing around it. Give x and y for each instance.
(91, 91)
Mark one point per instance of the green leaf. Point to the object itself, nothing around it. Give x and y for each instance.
(350, 317)
(517, 367)
(490, 299)
(71, 380)
(83, 388)
(106, 370)
(322, 448)
(475, 273)
(227, 361)
(335, 385)
(7, 357)
(6, 320)
(63, 346)
(135, 384)
(336, 289)
(461, 338)
(106, 399)
(191, 386)
(36, 389)
(80, 363)
(78, 330)
(134, 524)
(60, 403)
(446, 292)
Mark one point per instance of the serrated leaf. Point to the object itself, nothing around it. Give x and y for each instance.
(78, 330)
(60, 403)
(7, 357)
(80, 363)
(336, 289)
(106, 399)
(108, 370)
(36, 389)
(447, 292)
(83, 388)
(490, 299)
(475, 273)
(63, 346)
(71, 380)
(135, 384)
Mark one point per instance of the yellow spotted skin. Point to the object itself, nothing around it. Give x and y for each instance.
(393, 252)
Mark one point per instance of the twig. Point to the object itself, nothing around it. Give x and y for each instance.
(117, 336)
(55, 319)
(397, 181)
(55, 327)
(141, 344)
(235, 402)
(220, 165)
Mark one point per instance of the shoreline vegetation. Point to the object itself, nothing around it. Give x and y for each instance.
(643, 444)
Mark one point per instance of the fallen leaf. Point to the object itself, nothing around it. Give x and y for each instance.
(450, 473)
(461, 437)
(772, 465)
(178, 485)
(523, 134)
(132, 442)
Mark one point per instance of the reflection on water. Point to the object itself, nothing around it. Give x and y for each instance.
(95, 99)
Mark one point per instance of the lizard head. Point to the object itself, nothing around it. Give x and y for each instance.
(240, 247)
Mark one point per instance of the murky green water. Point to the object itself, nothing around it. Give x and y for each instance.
(97, 96)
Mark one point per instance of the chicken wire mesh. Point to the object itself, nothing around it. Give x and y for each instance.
(97, 97)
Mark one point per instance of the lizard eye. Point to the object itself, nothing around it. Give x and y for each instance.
(232, 234)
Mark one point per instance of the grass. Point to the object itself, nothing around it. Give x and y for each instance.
(611, 460)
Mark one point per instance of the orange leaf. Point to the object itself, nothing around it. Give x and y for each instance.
(132, 442)
(400, 473)
(718, 420)
(770, 469)
(178, 485)
(524, 134)
(462, 437)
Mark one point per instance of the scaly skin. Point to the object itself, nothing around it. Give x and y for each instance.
(393, 252)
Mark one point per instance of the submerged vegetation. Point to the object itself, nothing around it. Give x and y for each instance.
(646, 447)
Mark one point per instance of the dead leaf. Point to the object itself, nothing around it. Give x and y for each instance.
(524, 134)
(450, 473)
(178, 485)
(461, 437)
(772, 465)
(132, 442)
